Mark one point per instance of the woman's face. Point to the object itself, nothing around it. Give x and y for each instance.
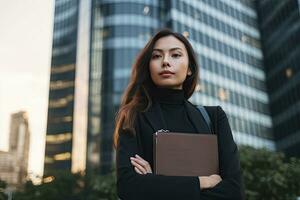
(169, 63)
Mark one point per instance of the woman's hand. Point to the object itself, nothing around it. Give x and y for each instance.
(141, 166)
(209, 181)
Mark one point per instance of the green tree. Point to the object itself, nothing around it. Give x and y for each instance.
(68, 186)
(269, 175)
(2, 190)
(101, 187)
(64, 186)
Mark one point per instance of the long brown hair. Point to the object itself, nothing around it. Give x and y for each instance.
(136, 96)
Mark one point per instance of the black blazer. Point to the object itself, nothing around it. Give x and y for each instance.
(134, 186)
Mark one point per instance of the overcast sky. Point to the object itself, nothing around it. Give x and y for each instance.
(25, 53)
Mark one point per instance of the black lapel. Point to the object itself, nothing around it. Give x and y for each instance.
(155, 118)
(195, 116)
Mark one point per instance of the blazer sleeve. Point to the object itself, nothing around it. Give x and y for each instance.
(134, 186)
(231, 187)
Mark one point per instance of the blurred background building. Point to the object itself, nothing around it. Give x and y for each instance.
(14, 163)
(280, 28)
(95, 43)
(68, 107)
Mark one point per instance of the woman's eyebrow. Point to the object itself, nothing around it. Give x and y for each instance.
(172, 49)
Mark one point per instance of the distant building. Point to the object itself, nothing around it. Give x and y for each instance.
(14, 163)
(280, 27)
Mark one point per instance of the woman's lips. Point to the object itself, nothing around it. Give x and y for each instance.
(166, 74)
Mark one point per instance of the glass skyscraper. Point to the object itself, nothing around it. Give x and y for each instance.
(119, 30)
(62, 86)
(68, 97)
(280, 27)
(95, 43)
(226, 38)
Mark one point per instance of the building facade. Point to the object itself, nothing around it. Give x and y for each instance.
(119, 30)
(67, 112)
(14, 163)
(226, 38)
(280, 28)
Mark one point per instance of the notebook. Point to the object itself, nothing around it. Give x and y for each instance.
(185, 154)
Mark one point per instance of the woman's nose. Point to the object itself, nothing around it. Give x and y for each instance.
(166, 62)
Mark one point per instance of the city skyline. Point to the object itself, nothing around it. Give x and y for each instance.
(24, 70)
(14, 163)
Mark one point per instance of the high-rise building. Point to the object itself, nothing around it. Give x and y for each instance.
(226, 38)
(280, 28)
(95, 43)
(14, 163)
(68, 96)
(119, 30)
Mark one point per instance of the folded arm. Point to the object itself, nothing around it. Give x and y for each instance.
(134, 186)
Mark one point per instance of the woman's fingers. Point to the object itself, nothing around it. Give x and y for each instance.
(138, 166)
(141, 164)
(137, 170)
(144, 163)
(215, 179)
(141, 161)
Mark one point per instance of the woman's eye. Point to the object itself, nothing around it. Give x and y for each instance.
(176, 55)
(156, 56)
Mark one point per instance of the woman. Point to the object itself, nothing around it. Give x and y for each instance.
(163, 77)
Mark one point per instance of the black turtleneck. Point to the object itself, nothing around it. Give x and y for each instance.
(173, 109)
(176, 112)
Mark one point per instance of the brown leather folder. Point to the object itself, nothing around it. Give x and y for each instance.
(185, 154)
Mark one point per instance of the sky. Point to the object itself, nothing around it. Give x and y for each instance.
(25, 52)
